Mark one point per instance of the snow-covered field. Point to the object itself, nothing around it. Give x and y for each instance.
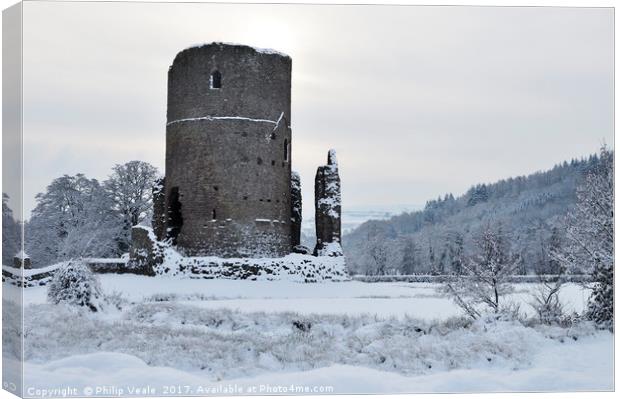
(186, 336)
(583, 366)
(416, 300)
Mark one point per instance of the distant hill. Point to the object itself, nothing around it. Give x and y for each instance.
(353, 216)
(528, 209)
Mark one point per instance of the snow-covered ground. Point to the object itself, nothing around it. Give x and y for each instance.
(214, 336)
(416, 300)
(574, 366)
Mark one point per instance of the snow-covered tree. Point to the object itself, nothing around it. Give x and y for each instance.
(486, 275)
(410, 257)
(11, 233)
(478, 194)
(590, 237)
(457, 254)
(75, 284)
(130, 188)
(72, 219)
(378, 254)
(431, 259)
(546, 263)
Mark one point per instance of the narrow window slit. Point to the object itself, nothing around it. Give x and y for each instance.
(286, 149)
(215, 81)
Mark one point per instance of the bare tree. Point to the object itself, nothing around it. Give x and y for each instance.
(130, 188)
(486, 275)
(546, 298)
(551, 277)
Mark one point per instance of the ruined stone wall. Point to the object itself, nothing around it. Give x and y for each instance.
(228, 161)
(159, 209)
(144, 253)
(296, 209)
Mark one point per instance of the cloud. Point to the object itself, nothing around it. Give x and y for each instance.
(419, 101)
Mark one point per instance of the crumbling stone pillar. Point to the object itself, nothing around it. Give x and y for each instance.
(327, 205)
(295, 209)
(159, 209)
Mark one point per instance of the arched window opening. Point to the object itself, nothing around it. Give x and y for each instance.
(214, 215)
(215, 82)
(285, 149)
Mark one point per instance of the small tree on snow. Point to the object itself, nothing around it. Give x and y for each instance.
(546, 299)
(551, 277)
(75, 284)
(486, 275)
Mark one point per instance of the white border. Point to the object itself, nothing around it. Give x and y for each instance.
(538, 3)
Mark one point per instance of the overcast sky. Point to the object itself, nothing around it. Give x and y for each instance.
(418, 101)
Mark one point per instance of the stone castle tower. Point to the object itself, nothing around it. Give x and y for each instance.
(227, 189)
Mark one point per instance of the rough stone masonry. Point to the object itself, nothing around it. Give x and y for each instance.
(328, 208)
(228, 189)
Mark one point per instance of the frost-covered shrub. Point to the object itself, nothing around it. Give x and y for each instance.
(12, 329)
(457, 322)
(74, 284)
(116, 300)
(510, 311)
(601, 306)
(546, 303)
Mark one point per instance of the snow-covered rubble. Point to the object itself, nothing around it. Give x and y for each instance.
(162, 259)
(292, 267)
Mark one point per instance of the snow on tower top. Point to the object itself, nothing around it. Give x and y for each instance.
(22, 255)
(223, 44)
